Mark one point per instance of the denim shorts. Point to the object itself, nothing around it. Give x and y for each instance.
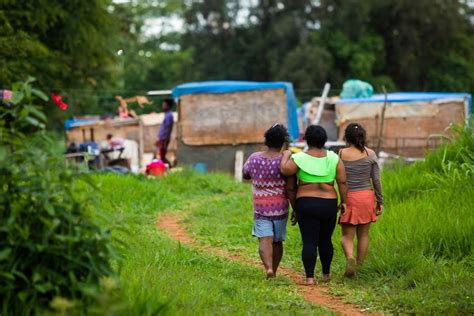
(267, 228)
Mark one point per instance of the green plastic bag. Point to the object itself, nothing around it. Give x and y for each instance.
(353, 89)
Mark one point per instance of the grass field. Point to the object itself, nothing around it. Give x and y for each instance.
(157, 274)
(420, 255)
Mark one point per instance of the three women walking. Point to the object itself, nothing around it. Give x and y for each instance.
(307, 180)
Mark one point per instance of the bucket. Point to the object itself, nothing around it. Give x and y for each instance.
(156, 168)
(200, 167)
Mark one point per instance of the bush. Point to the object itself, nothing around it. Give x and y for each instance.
(51, 253)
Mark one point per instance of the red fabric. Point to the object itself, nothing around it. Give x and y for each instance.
(156, 168)
(360, 208)
(59, 102)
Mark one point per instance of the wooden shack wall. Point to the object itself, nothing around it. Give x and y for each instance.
(230, 118)
(409, 136)
(216, 157)
(128, 130)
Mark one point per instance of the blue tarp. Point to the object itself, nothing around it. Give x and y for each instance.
(411, 97)
(235, 86)
(68, 124)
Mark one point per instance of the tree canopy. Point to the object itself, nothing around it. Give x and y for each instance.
(94, 49)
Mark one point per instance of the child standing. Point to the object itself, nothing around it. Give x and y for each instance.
(271, 192)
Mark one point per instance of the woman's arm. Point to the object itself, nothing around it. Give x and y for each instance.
(288, 166)
(291, 188)
(375, 176)
(341, 184)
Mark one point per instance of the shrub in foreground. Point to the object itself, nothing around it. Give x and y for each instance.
(51, 253)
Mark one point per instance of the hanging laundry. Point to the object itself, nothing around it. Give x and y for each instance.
(59, 101)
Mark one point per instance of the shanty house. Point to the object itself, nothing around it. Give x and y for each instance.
(412, 122)
(217, 119)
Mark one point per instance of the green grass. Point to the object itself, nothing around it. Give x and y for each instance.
(160, 275)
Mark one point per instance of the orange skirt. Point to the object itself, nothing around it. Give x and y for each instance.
(360, 208)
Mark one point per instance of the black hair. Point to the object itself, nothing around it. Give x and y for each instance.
(315, 136)
(355, 135)
(276, 136)
(109, 136)
(169, 101)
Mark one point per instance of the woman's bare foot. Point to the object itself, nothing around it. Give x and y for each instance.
(350, 268)
(310, 281)
(270, 274)
(326, 278)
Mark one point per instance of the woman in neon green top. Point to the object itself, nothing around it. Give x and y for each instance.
(316, 198)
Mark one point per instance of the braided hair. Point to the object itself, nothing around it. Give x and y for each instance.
(355, 135)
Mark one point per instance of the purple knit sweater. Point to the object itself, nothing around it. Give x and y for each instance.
(268, 187)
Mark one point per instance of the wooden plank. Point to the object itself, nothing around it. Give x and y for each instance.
(239, 163)
(230, 118)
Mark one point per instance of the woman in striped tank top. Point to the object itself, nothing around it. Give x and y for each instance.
(363, 180)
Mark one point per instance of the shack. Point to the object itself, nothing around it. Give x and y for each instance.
(413, 122)
(218, 119)
(141, 130)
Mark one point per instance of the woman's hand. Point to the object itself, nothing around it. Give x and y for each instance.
(342, 207)
(286, 153)
(287, 166)
(379, 209)
(293, 218)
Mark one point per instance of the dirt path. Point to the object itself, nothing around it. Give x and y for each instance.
(318, 295)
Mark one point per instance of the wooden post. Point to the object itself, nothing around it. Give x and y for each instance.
(239, 163)
(324, 96)
(141, 146)
(382, 120)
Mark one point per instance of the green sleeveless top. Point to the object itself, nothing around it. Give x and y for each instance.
(314, 169)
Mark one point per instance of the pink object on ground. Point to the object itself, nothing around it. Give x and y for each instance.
(156, 168)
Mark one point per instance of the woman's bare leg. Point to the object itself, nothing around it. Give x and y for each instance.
(362, 242)
(277, 255)
(347, 241)
(265, 250)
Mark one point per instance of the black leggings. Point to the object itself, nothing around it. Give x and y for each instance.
(317, 220)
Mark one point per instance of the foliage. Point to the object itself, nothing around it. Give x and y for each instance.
(69, 46)
(94, 50)
(63, 43)
(413, 46)
(52, 255)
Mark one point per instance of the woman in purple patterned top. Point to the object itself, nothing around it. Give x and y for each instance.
(271, 192)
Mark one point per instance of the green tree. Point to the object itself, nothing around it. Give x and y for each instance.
(68, 45)
(65, 44)
(428, 43)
